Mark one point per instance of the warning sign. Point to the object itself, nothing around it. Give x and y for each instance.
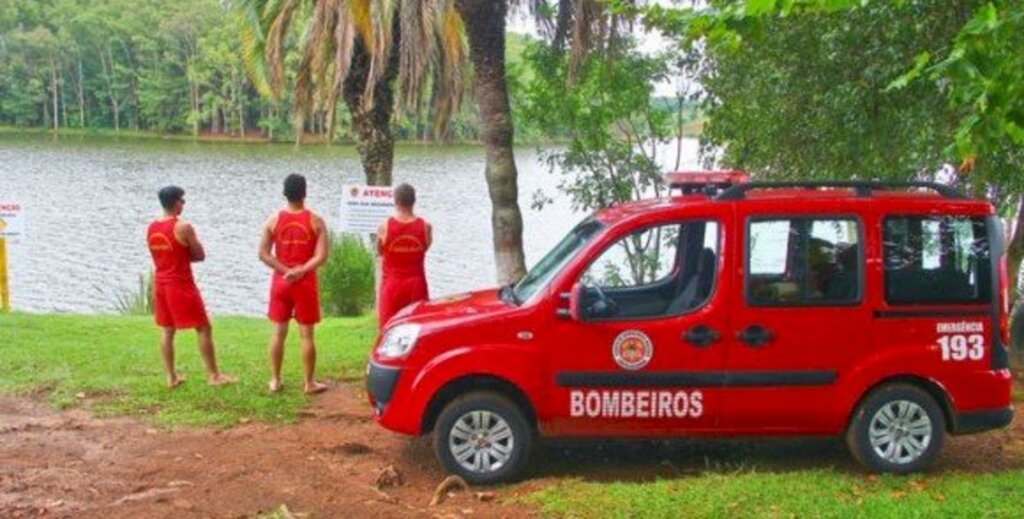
(363, 208)
(12, 221)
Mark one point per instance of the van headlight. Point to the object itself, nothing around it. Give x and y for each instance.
(398, 341)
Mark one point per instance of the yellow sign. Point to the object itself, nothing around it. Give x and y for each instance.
(3, 224)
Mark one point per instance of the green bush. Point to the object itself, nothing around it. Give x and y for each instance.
(346, 280)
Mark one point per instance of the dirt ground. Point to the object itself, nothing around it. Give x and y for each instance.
(58, 464)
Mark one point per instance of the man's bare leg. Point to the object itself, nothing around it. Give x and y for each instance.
(306, 333)
(276, 353)
(213, 376)
(167, 352)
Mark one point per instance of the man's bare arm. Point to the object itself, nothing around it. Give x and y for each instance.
(187, 234)
(322, 246)
(430, 236)
(382, 231)
(266, 245)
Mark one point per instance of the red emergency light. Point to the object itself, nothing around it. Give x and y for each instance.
(706, 182)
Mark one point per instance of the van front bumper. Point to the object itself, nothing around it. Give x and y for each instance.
(380, 385)
(984, 420)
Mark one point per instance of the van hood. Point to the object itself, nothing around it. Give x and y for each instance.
(458, 308)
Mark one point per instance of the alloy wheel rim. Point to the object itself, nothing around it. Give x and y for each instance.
(481, 441)
(900, 432)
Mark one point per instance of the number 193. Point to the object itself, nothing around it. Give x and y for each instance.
(962, 347)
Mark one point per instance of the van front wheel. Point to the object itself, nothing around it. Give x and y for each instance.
(898, 428)
(483, 438)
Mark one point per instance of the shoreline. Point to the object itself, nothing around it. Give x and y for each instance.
(692, 131)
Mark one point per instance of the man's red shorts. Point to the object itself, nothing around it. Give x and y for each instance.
(299, 300)
(398, 292)
(179, 306)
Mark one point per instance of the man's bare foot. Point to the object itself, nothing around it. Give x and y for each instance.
(275, 386)
(175, 381)
(315, 387)
(220, 379)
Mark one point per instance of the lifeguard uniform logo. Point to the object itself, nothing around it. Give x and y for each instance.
(404, 279)
(177, 302)
(632, 350)
(294, 244)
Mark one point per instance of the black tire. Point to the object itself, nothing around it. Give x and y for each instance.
(858, 433)
(461, 409)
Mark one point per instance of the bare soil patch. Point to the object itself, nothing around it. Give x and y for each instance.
(61, 464)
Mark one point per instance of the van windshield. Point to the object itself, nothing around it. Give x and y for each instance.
(542, 272)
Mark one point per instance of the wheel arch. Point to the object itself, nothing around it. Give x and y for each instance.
(933, 388)
(476, 382)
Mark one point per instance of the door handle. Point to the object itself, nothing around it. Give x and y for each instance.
(755, 335)
(701, 335)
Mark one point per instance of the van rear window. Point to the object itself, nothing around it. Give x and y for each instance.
(804, 261)
(937, 260)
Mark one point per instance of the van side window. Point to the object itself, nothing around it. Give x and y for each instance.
(804, 261)
(936, 259)
(658, 271)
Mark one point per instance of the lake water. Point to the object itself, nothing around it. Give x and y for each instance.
(88, 202)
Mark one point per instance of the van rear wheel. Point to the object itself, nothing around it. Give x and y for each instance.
(897, 428)
(482, 437)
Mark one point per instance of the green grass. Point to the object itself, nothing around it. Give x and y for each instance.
(806, 493)
(115, 361)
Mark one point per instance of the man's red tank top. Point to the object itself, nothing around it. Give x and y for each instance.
(294, 238)
(170, 258)
(404, 248)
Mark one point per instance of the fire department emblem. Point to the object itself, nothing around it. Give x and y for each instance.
(632, 349)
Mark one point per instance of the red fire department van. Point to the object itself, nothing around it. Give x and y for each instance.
(876, 311)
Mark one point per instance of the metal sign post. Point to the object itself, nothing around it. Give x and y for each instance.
(5, 292)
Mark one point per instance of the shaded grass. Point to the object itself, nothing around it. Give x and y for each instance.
(804, 493)
(115, 361)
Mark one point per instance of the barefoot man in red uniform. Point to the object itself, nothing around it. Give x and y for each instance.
(294, 245)
(402, 241)
(177, 303)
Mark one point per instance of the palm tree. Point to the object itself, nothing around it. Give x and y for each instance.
(356, 50)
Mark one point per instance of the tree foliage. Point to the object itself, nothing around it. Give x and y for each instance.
(607, 114)
(170, 67)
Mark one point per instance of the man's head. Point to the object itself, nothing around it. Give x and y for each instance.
(405, 196)
(172, 199)
(295, 188)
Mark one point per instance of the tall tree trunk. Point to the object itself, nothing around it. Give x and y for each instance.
(108, 71)
(1015, 253)
(53, 91)
(81, 96)
(485, 25)
(374, 140)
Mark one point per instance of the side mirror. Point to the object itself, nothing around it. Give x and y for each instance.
(574, 301)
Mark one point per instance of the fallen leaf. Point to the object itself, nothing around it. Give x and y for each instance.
(450, 484)
(79, 395)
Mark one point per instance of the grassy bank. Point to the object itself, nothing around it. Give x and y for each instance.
(115, 362)
(805, 493)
